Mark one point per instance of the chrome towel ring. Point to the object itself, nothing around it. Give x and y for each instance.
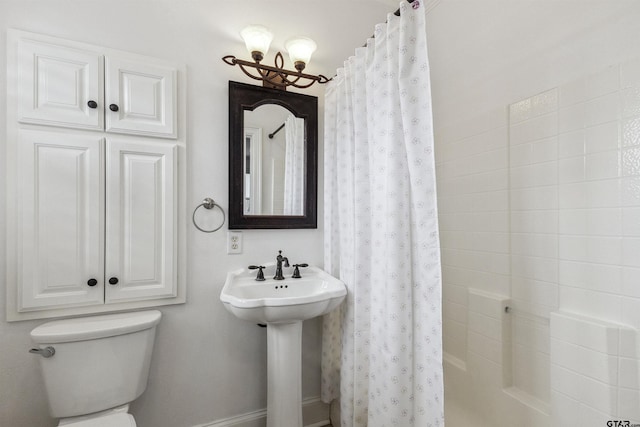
(208, 203)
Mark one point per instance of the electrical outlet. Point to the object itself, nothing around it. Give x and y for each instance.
(234, 242)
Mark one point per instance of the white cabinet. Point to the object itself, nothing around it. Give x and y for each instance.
(88, 89)
(79, 247)
(95, 179)
(141, 217)
(61, 220)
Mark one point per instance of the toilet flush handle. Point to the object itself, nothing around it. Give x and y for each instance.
(44, 352)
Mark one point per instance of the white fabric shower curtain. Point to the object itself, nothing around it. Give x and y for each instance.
(294, 166)
(382, 351)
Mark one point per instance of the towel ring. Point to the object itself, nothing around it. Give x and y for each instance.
(208, 203)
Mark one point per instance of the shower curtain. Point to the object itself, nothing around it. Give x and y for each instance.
(382, 351)
(294, 166)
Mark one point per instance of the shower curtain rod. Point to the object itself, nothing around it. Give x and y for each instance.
(397, 13)
(271, 135)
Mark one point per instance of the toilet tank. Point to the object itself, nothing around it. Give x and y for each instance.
(100, 362)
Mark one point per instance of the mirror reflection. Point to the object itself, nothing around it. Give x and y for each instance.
(274, 162)
(273, 158)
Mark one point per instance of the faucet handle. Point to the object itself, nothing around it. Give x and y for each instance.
(260, 276)
(296, 270)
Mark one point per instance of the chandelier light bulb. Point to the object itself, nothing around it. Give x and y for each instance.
(257, 39)
(300, 50)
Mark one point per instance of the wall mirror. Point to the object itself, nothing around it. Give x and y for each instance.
(273, 158)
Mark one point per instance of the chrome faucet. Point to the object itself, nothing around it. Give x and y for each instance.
(279, 260)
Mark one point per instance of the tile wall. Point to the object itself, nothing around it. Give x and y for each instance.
(540, 204)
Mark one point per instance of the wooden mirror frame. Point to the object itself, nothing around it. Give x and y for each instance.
(243, 97)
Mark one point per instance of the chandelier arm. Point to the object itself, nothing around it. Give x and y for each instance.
(242, 67)
(269, 68)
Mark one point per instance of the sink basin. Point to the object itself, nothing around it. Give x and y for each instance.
(283, 305)
(281, 301)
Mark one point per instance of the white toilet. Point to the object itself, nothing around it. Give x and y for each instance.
(93, 367)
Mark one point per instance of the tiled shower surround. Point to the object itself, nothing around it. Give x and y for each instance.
(540, 229)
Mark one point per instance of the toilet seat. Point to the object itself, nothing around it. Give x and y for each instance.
(111, 420)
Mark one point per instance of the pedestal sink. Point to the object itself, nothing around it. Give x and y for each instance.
(282, 305)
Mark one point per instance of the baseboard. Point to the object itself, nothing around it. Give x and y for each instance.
(315, 413)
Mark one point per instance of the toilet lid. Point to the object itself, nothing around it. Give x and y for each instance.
(112, 420)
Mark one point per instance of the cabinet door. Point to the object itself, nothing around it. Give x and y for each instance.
(61, 206)
(143, 95)
(58, 86)
(141, 220)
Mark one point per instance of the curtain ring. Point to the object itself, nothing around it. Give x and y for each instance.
(208, 203)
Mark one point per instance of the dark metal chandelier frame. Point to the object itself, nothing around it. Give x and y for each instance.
(277, 77)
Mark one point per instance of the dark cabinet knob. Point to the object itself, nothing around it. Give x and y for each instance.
(113, 107)
(92, 104)
(113, 281)
(92, 282)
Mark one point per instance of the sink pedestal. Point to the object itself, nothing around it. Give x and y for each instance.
(284, 374)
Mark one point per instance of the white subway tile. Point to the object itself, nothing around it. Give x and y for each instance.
(573, 195)
(542, 269)
(571, 118)
(485, 347)
(537, 245)
(599, 305)
(572, 144)
(544, 150)
(631, 221)
(605, 250)
(599, 395)
(590, 416)
(603, 137)
(520, 111)
(603, 193)
(565, 411)
(630, 131)
(629, 404)
(605, 222)
(485, 371)
(601, 110)
(631, 251)
(491, 242)
(573, 92)
(534, 292)
(630, 98)
(630, 191)
(629, 374)
(629, 345)
(587, 275)
(571, 169)
(455, 293)
(453, 311)
(534, 221)
(574, 248)
(545, 102)
(602, 165)
(631, 316)
(586, 332)
(485, 325)
(534, 129)
(530, 332)
(603, 82)
(631, 282)
(521, 154)
(531, 198)
(630, 73)
(573, 221)
(630, 161)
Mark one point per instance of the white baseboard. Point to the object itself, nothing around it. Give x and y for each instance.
(315, 413)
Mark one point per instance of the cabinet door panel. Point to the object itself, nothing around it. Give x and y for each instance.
(141, 220)
(57, 83)
(61, 220)
(145, 94)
